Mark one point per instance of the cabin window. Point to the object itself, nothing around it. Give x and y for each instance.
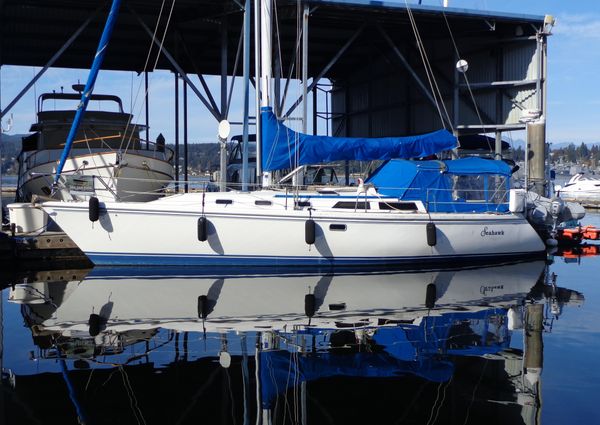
(224, 201)
(398, 206)
(337, 227)
(302, 204)
(352, 205)
(262, 202)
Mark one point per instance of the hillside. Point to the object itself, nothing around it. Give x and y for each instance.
(9, 149)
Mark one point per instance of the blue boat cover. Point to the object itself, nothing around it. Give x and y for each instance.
(281, 370)
(420, 350)
(435, 183)
(281, 146)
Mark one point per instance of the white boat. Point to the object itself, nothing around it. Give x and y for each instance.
(581, 187)
(151, 325)
(370, 225)
(429, 212)
(147, 299)
(109, 159)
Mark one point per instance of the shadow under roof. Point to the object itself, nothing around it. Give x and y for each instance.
(32, 31)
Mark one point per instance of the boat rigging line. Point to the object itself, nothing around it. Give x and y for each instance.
(437, 95)
(145, 68)
(464, 73)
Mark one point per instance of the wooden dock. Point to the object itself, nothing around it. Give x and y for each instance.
(47, 250)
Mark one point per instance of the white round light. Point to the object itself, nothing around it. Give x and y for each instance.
(462, 66)
(224, 129)
(224, 359)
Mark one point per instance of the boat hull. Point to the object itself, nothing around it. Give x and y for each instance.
(129, 176)
(165, 232)
(247, 302)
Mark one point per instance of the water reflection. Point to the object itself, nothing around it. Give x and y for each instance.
(160, 347)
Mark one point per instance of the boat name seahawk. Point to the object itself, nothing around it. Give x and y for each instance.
(484, 289)
(487, 232)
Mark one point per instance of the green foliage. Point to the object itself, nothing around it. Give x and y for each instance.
(9, 149)
(582, 154)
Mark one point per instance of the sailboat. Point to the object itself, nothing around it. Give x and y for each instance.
(167, 298)
(274, 334)
(431, 220)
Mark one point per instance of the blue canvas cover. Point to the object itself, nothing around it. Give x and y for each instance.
(281, 145)
(433, 183)
(281, 370)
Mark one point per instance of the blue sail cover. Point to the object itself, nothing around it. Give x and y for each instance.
(281, 370)
(281, 146)
(436, 183)
(419, 350)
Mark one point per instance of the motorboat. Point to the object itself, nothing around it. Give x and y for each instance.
(109, 159)
(581, 187)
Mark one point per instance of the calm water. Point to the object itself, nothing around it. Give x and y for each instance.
(159, 346)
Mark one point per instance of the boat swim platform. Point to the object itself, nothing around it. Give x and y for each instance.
(584, 202)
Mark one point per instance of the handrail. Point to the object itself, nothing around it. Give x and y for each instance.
(77, 96)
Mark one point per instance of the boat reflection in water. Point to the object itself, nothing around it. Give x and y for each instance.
(428, 347)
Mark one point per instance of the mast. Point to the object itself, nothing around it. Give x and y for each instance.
(89, 86)
(266, 24)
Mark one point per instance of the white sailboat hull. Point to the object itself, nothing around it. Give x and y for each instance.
(249, 302)
(240, 233)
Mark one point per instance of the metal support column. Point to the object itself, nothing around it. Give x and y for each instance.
(244, 346)
(176, 132)
(223, 143)
(538, 80)
(224, 52)
(185, 137)
(455, 94)
(246, 76)
(147, 105)
(304, 68)
(499, 101)
(534, 344)
(257, 72)
(498, 146)
(315, 114)
(536, 155)
(328, 66)
(536, 132)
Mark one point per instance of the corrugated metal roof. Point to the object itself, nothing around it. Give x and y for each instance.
(31, 31)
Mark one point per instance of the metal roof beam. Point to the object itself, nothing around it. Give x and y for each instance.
(215, 112)
(493, 85)
(328, 67)
(50, 62)
(412, 73)
(197, 72)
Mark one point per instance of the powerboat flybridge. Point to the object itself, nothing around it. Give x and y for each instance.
(109, 159)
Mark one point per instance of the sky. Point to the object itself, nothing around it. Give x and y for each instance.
(573, 83)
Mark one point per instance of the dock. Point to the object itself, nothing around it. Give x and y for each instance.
(47, 250)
